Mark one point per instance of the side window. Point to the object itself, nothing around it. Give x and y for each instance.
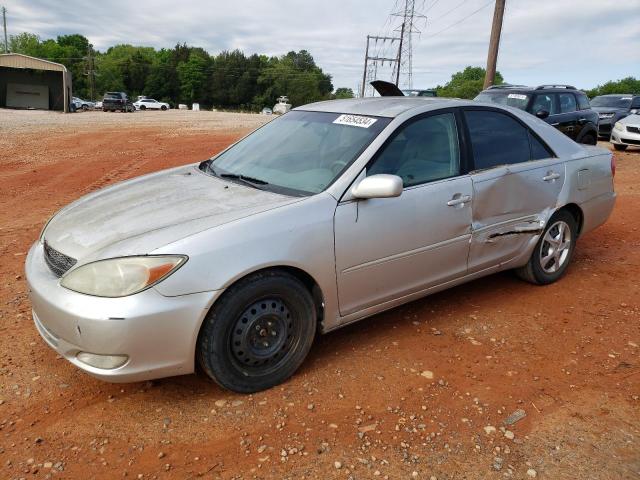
(583, 101)
(567, 102)
(496, 139)
(538, 150)
(544, 101)
(422, 151)
(635, 102)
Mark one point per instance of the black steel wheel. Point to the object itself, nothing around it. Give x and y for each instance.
(258, 333)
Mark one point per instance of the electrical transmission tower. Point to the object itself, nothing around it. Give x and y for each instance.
(410, 21)
(401, 60)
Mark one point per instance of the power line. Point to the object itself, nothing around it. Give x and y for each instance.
(461, 20)
(449, 11)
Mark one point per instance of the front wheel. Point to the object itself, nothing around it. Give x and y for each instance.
(258, 333)
(620, 148)
(163, 108)
(589, 139)
(553, 252)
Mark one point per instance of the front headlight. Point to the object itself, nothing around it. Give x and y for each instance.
(120, 277)
(618, 126)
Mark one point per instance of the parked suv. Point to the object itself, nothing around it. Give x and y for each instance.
(562, 106)
(612, 108)
(117, 101)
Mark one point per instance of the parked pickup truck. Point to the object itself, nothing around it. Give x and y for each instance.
(113, 101)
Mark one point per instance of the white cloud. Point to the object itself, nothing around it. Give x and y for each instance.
(583, 42)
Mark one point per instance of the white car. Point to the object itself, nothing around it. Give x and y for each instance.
(82, 104)
(151, 104)
(626, 132)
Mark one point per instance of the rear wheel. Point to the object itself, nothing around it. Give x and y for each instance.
(258, 333)
(553, 252)
(620, 148)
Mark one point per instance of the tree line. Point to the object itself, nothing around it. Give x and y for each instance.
(184, 74)
(229, 80)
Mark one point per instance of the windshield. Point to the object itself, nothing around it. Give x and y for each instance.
(300, 153)
(511, 99)
(623, 101)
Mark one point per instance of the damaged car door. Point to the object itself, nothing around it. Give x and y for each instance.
(516, 183)
(387, 248)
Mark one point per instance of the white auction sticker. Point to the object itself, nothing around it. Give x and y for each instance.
(517, 96)
(355, 121)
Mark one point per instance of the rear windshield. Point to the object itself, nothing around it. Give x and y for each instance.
(623, 101)
(501, 97)
(111, 95)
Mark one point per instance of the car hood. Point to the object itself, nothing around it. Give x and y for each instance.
(609, 110)
(140, 215)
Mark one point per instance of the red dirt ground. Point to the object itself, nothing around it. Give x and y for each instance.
(567, 354)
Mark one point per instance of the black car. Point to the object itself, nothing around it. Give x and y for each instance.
(612, 108)
(562, 106)
(113, 101)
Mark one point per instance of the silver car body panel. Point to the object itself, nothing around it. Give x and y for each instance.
(365, 256)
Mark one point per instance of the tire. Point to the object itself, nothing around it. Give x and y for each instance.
(85, 108)
(143, 107)
(163, 108)
(258, 333)
(541, 272)
(589, 139)
(620, 148)
(104, 109)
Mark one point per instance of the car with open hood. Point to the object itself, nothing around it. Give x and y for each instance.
(332, 213)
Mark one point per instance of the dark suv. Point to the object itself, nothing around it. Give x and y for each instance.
(562, 106)
(612, 108)
(113, 101)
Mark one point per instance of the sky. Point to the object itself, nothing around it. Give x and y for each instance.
(578, 42)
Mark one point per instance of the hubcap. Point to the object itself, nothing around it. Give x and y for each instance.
(556, 246)
(262, 335)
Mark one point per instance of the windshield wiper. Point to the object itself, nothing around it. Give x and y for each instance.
(246, 179)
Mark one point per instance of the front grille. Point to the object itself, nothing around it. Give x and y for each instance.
(58, 262)
(633, 129)
(630, 141)
(604, 127)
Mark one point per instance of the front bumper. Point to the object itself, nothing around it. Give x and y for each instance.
(604, 127)
(157, 333)
(624, 137)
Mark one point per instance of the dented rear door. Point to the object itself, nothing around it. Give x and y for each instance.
(510, 206)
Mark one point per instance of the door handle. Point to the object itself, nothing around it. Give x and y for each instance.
(459, 199)
(551, 176)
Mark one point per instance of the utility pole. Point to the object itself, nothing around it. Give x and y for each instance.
(410, 18)
(494, 43)
(91, 72)
(375, 60)
(4, 22)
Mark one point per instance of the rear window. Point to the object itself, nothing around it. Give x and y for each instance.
(501, 97)
(112, 95)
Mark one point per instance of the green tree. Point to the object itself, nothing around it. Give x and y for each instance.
(625, 85)
(343, 93)
(467, 83)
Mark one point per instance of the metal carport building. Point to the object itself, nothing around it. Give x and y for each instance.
(29, 82)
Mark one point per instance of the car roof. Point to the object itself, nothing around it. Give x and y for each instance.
(390, 107)
(618, 95)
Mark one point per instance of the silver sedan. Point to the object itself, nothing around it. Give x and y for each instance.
(328, 215)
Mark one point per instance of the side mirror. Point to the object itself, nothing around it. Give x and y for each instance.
(542, 114)
(378, 186)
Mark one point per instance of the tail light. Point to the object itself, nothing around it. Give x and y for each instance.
(613, 166)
